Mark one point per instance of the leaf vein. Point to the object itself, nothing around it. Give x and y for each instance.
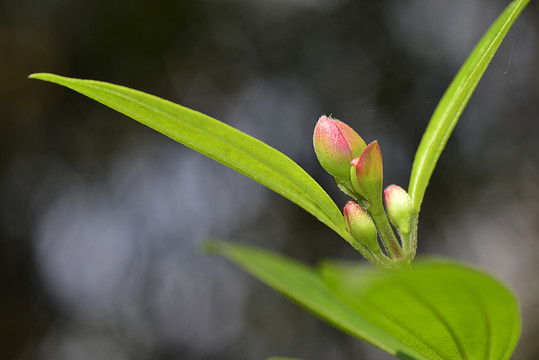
(423, 301)
(409, 330)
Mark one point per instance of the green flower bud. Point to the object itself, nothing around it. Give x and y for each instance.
(336, 144)
(399, 208)
(360, 225)
(367, 176)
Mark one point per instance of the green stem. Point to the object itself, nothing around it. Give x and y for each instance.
(387, 235)
(381, 261)
(409, 239)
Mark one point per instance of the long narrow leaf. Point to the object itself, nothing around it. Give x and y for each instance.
(454, 101)
(216, 140)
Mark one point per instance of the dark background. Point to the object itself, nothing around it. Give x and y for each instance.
(101, 218)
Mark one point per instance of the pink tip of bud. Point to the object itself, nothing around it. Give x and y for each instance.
(371, 159)
(328, 134)
(335, 144)
(390, 192)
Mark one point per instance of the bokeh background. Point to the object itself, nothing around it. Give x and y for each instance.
(102, 219)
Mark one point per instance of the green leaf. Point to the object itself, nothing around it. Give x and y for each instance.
(438, 310)
(454, 101)
(305, 286)
(216, 140)
(443, 309)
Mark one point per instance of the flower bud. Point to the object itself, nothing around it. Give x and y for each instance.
(360, 225)
(399, 208)
(336, 144)
(367, 175)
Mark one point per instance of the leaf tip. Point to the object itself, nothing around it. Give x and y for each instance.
(39, 76)
(212, 246)
(47, 77)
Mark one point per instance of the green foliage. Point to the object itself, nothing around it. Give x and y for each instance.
(454, 101)
(439, 310)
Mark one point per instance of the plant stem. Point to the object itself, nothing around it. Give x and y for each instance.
(387, 235)
(381, 261)
(411, 244)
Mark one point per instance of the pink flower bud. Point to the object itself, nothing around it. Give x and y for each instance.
(399, 208)
(335, 144)
(360, 225)
(367, 174)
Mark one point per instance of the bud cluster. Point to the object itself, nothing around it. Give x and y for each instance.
(358, 171)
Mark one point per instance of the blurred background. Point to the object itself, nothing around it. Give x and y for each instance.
(102, 219)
